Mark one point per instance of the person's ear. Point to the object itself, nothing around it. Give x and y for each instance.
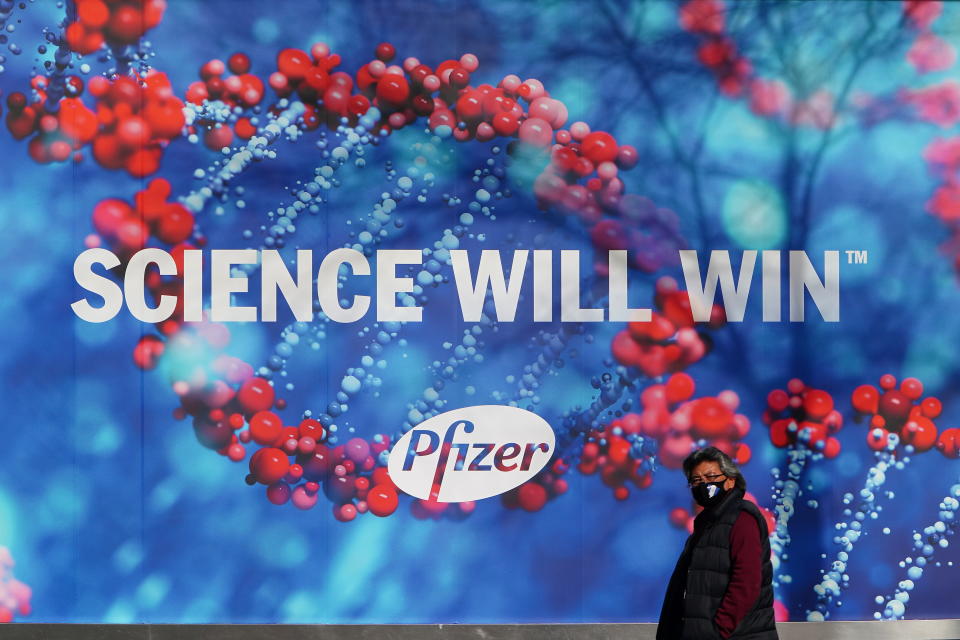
(729, 484)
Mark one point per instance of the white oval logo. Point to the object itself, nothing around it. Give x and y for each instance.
(471, 453)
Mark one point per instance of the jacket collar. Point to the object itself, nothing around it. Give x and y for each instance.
(713, 513)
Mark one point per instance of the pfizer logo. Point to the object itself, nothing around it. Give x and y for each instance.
(471, 453)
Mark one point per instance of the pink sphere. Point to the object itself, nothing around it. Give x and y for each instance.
(357, 449)
(303, 499)
(536, 132)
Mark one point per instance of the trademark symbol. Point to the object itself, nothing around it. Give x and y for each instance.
(856, 256)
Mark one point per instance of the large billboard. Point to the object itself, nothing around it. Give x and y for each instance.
(378, 312)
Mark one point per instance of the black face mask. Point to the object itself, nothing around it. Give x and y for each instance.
(708, 493)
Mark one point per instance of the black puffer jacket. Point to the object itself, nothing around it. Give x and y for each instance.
(700, 579)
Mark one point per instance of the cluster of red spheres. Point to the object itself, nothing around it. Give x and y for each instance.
(346, 473)
(131, 122)
(116, 23)
(14, 594)
(580, 168)
(902, 411)
(671, 417)
(608, 451)
(524, 110)
(534, 494)
(433, 509)
(126, 228)
(670, 341)
(233, 409)
(717, 52)
(733, 71)
(239, 88)
(801, 416)
(679, 422)
(331, 94)
(580, 154)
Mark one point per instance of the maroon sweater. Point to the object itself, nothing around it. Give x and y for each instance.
(745, 577)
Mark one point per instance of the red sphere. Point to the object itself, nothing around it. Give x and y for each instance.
(244, 129)
(126, 25)
(265, 427)
(255, 394)
(340, 489)
(335, 99)
(278, 493)
(176, 224)
(216, 138)
(358, 105)
(895, 407)
(711, 418)
(147, 352)
(93, 13)
(626, 350)
(931, 407)
(393, 88)
(532, 496)
(505, 124)
(109, 214)
(866, 399)
(680, 387)
(780, 435)
(316, 466)
(269, 465)
(678, 517)
(627, 157)
(817, 404)
(344, 513)
(385, 51)
(832, 448)
(382, 477)
(310, 428)
(422, 105)
(165, 117)
(143, 162)
(16, 101)
(921, 433)
(778, 400)
(106, 151)
(294, 64)
(459, 78)
(949, 443)
(239, 63)
(132, 235)
(911, 387)
(470, 107)
(213, 435)
(382, 500)
(599, 146)
(76, 121)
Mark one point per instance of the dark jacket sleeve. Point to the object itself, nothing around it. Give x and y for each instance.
(745, 575)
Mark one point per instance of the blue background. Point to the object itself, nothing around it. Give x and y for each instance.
(115, 513)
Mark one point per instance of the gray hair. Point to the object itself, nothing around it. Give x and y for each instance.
(712, 454)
